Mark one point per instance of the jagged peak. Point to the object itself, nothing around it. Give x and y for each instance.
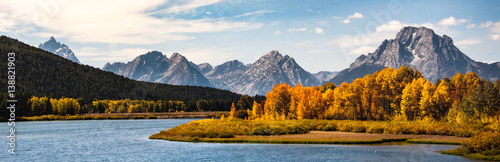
(273, 55)
(152, 54)
(52, 39)
(176, 55)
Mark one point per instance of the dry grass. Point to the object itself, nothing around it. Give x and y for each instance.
(348, 136)
(326, 137)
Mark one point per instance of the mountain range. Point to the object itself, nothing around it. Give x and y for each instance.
(59, 49)
(420, 48)
(253, 79)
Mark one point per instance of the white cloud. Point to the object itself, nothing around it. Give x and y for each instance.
(277, 32)
(495, 31)
(471, 26)
(391, 26)
(362, 50)
(496, 27)
(319, 31)
(451, 21)
(468, 42)
(494, 37)
(208, 13)
(260, 12)
(348, 20)
(297, 29)
(486, 24)
(395, 26)
(117, 21)
(355, 16)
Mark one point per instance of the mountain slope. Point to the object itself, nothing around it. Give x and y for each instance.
(261, 76)
(324, 76)
(156, 67)
(42, 73)
(59, 49)
(224, 76)
(420, 48)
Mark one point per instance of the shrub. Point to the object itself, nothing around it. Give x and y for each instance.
(226, 135)
(488, 142)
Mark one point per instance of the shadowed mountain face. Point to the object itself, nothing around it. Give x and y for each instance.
(59, 49)
(420, 48)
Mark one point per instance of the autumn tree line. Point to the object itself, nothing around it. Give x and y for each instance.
(71, 106)
(401, 94)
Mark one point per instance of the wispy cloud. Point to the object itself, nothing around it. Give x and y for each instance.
(122, 55)
(362, 50)
(260, 12)
(486, 24)
(213, 55)
(118, 21)
(313, 11)
(468, 42)
(297, 30)
(470, 26)
(189, 6)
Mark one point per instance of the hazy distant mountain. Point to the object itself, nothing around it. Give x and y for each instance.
(420, 48)
(156, 67)
(324, 76)
(59, 49)
(261, 76)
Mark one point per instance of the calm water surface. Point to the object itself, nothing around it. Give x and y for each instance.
(127, 140)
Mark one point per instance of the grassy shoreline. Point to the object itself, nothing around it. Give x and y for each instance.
(316, 132)
(319, 137)
(116, 116)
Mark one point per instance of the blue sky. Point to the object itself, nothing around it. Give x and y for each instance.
(320, 35)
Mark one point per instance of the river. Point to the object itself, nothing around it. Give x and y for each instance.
(127, 140)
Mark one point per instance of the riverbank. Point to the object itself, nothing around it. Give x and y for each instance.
(316, 132)
(113, 116)
(324, 137)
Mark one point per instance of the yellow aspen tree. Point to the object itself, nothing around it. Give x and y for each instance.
(256, 110)
(426, 104)
(233, 113)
